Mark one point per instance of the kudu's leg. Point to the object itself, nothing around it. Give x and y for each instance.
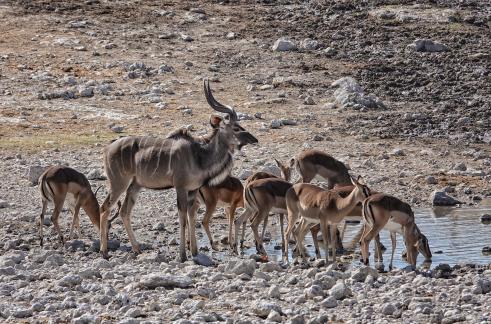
(105, 211)
(182, 202)
(191, 221)
(128, 203)
(41, 221)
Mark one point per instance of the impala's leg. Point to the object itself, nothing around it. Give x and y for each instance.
(265, 224)
(333, 229)
(239, 221)
(393, 241)
(41, 221)
(366, 237)
(231, 217)
(412, 251)
(54, 219)
(242, 239)
(281, 228)
(128, 203)
(325, 237)
(343, 230)
(314, 230)
(260, 216)
(210, 208)
(292, 216)
(191, 196)
(378, 257)
(75, 221)
(299, 233)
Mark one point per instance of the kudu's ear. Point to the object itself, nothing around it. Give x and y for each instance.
(215, 121)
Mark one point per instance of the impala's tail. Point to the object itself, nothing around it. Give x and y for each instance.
(45, 188)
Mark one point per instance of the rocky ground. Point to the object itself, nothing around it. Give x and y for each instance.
(401, 93)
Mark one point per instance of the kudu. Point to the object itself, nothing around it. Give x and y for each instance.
(186, 164)
(384, 211)
(60, 183)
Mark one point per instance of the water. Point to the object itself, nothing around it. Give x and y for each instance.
(455, 235)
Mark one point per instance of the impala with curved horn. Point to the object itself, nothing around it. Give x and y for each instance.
(60, 183)
(183, 163)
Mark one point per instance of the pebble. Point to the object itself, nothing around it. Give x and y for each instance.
(329, 302)
(428, 45)
(153, 281)
(432, 180)
(4, 204)
(340, 291)
(486, 219)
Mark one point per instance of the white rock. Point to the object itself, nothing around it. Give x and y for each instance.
(329, 302)
(274, 316)
(309, 44)
(274, 292)
(283, 45)
(428, 45)
(70, 280)
(340, 291)
(262, 308)
(153, 281)
(388, 309)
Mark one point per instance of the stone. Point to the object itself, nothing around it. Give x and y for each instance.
(86, 319)
(3, 204)
(117, 128)
(440, 198)
(274, 292)
(70, 281)
(153, 281)
(96, 174)
(398, 152)
(460, 166)
(340, 291)
(203, 260)
(7, 271)
(34, 172)
(262, 308)
(55, 259)
(314, 291)
(389, 309)
(309, 44)
(428, 45)
(274, 316)
(349, 94)
(164, 68)
(309, 101)
(275, 124)
(86, 92)
(244, 266)
(329, 302)
(270, 267)
(22, 313)
(284, 44)
(432, 180)
(486, 219)
(361, 273)
(483, 283)
(133, 312)
(231, 35)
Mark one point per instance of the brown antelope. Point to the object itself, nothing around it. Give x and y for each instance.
(263, 192)
(384, 211)
(229, 194)
(316, 205)
(311, 163)
(60, 183)
(186, 164)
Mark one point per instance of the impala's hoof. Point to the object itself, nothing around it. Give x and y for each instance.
(105, 255)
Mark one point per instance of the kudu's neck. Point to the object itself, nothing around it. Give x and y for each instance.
(216, 150)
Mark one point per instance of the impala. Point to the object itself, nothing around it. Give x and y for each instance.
(60, 183)
(318, 206)
(384, 211)
(183, 163)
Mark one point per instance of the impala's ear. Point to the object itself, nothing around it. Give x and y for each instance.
(292, 162)
(361, 180)
(215, 121)
(278, 163)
